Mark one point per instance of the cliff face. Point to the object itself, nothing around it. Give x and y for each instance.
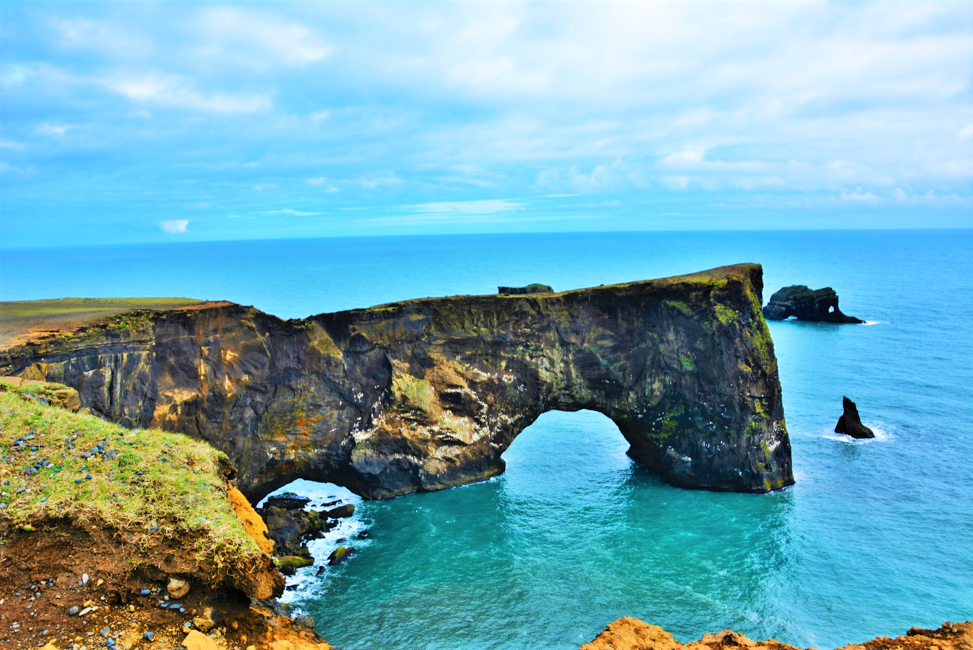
(427, 394)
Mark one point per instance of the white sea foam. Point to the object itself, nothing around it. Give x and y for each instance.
(883, 433)
(873, 322)
(306, 582)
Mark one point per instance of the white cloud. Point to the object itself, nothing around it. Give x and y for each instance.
(173, 91)
(676, 182)
(290, 211)
(460, 208)
(859, 195)
(174, 227)
(258, 38)
(685, 158)
(54, 129)
(97, 35)
(323, 184)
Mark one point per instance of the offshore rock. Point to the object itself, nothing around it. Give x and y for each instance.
(819, 305)
(427, 394)
(850, 423)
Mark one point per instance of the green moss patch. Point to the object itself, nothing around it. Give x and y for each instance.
(56, 464)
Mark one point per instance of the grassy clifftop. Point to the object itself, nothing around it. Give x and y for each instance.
(138, 532)
(56, 464)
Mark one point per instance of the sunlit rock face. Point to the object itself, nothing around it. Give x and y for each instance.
(427, 394)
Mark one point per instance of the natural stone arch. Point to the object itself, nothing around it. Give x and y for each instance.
(427, 394)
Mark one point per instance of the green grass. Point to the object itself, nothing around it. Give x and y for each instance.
(131, 488)
(64, 306)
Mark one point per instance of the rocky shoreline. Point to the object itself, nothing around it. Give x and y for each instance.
(632, 634)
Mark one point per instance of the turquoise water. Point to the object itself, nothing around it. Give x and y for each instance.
(876, 536)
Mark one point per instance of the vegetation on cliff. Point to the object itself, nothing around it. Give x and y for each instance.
(62, 465)
(137, 536)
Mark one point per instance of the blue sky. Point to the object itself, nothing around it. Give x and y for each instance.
(139, 122)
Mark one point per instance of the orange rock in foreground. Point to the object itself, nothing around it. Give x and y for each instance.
(632, 634)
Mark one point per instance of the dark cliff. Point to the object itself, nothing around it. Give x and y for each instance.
(427, 394)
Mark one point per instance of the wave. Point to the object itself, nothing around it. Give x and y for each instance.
(306, 582)
(883, 433)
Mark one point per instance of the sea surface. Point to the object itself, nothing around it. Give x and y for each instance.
(875, 537)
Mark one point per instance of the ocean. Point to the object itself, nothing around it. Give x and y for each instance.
(875, 537)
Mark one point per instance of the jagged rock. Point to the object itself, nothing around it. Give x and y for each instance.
(818, 305)
(427, 394)
(205, 620)
(198, 641)
(340, 512)
(632, 634)
(850, 423)
(339, 555)
(177, 588)
(289, 564)
(522, 291)
(290, 529)
(287, 501)
(305, 621)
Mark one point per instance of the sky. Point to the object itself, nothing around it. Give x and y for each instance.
(187, 121)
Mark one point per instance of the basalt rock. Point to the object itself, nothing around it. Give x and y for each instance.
(291, 528)
(818, 305)
(850, 423)
(427, 394)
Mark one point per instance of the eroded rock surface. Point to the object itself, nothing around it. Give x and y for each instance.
(817, 305)
(632, 634)
(427, 394)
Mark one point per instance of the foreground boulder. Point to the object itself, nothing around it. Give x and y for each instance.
(850, 423)
(427, 394)
(632, 634)
(817, 305)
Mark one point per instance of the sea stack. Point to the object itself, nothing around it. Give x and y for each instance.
(850, 423)
(816, 305)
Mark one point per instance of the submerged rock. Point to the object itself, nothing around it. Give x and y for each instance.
(816, 305)
(850, 423)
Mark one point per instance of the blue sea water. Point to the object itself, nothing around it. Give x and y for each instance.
(875, 537)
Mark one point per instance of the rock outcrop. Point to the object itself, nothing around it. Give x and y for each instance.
(818, 305)
(290, 526)
(632, 634)
(850, 423)
(523, 291)
(427, 394)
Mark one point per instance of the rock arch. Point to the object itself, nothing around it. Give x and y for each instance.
(427, 394)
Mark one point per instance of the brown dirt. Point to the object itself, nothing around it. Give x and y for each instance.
(42, 578)
(632, 634)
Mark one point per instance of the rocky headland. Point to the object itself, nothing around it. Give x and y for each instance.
(815, 305)
(427, 394)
